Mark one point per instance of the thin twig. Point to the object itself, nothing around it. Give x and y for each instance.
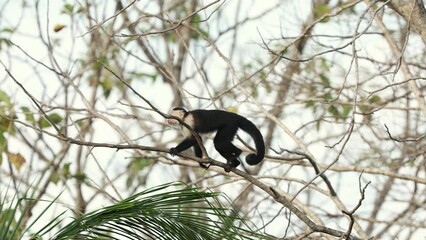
(403, 140)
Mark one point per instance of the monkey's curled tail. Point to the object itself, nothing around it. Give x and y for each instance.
(253, 131)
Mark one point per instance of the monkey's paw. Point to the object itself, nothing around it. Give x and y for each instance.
(173, 151)
(205, 165)
(232, 164)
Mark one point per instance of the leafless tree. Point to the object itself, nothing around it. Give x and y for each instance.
(336, 87)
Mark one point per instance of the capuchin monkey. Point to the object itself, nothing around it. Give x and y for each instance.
(226, 124)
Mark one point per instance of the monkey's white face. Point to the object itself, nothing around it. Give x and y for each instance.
(177, 113)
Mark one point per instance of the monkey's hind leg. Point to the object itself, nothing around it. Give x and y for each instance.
(224, 146)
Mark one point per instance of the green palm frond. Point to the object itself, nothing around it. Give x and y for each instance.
(169, 211)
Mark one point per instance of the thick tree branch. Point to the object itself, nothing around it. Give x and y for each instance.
(414, 12)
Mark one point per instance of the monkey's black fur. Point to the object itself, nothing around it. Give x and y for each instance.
(226, 124)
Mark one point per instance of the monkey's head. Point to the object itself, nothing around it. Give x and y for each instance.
(178, 112)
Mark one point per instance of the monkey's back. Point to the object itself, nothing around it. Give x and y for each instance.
(211, 120)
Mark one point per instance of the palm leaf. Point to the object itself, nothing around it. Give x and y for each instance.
(169, 211)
